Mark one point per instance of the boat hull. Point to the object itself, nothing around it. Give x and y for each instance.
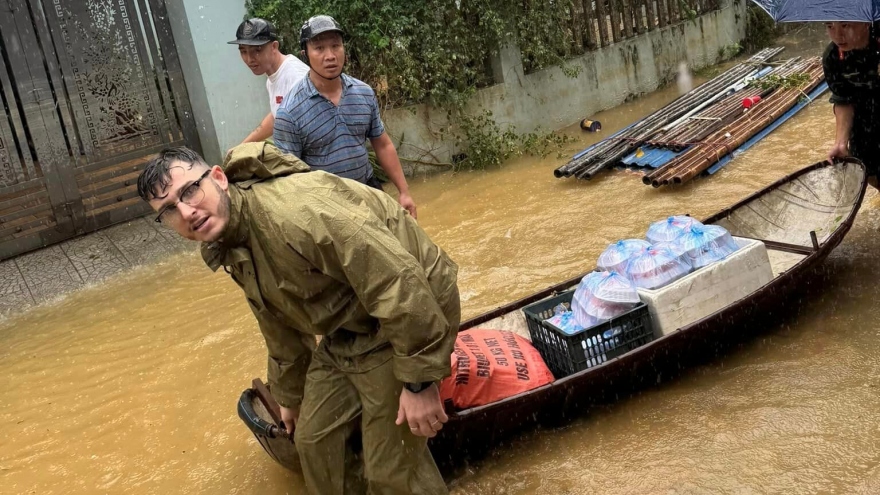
(473, 431)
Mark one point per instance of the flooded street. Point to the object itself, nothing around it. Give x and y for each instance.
(130, 387)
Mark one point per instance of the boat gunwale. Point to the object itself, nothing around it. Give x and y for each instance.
(802, 265)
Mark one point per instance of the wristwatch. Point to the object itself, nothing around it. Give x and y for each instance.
(417, 387)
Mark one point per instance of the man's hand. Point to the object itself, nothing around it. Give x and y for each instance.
(408, 204)
(844, 116)
(839, 150)
(386, 154)
(422, 411)
(289, 416)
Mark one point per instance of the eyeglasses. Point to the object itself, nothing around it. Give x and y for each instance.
(192, 195)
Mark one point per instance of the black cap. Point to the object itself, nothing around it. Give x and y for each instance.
(317, 25)
(254, 32)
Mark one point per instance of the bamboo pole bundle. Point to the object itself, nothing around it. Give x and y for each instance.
(641, 133)
(722, 113)
(585, 168)
(786, 70)
(703, 155)
(611, 150)
(658, 177)
(699, 164)
(696, 164)
(704, 124)
(661, 176)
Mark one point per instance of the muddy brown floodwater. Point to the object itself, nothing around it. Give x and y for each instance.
(130, 387)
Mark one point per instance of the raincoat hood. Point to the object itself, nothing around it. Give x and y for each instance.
(249, 163)
(244, 166)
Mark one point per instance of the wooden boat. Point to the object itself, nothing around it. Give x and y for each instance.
(801, 219)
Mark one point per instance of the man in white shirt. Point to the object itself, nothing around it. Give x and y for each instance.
(258, 44)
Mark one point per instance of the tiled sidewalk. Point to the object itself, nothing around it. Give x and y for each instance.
(53, 271)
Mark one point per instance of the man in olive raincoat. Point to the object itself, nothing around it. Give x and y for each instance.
(317, 254)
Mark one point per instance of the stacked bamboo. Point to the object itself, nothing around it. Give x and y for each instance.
(705, 153)
(704, 123)
(610, 151)
(724, 112)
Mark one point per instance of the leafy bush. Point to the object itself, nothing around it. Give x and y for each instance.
(428, 51)
(761, 29)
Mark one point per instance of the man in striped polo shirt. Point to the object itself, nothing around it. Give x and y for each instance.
(326, 119)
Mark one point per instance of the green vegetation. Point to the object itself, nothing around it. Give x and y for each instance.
(438, 52)
(485, 144)
(429, 51)
(761, 29)
(773, 81)
(688, 12)
(730, 51)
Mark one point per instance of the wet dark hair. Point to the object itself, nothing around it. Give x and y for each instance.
(157, 174)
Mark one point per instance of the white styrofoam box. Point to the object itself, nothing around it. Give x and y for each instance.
(710, 288)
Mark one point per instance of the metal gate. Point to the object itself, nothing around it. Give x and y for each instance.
(90, 88)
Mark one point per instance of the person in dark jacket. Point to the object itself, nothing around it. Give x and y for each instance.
(851, 69)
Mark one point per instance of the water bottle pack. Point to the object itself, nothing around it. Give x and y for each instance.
(563, 319)
(679, 245)
(602, 296)
(595, 348)
(655, 268)
(599, 297)
(668, 230)
(676, 248)
(706, 244)
(616, 255)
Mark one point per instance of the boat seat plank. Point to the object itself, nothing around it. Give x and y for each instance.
(785, 247)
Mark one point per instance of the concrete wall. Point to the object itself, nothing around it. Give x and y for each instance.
(551, 100)
(228, 101)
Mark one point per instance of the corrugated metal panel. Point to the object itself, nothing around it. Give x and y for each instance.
(650, 156)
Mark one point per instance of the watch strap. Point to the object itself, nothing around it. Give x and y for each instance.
(417, 387)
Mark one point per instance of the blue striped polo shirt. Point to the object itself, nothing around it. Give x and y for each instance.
(328, 137)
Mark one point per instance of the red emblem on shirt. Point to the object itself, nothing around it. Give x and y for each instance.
(278, 99)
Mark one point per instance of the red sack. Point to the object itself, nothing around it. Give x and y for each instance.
(490, 365)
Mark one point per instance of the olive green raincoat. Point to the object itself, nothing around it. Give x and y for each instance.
(320, 255)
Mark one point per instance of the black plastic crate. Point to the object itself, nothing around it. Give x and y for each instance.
(567, 354)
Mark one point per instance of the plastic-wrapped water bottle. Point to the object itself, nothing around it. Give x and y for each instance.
(655, 268)
(676, 248)
(602, 296)
(669, 229)
(706, 244)
(612, 337)
(616, 255)
(559, 309)
(565, 322)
